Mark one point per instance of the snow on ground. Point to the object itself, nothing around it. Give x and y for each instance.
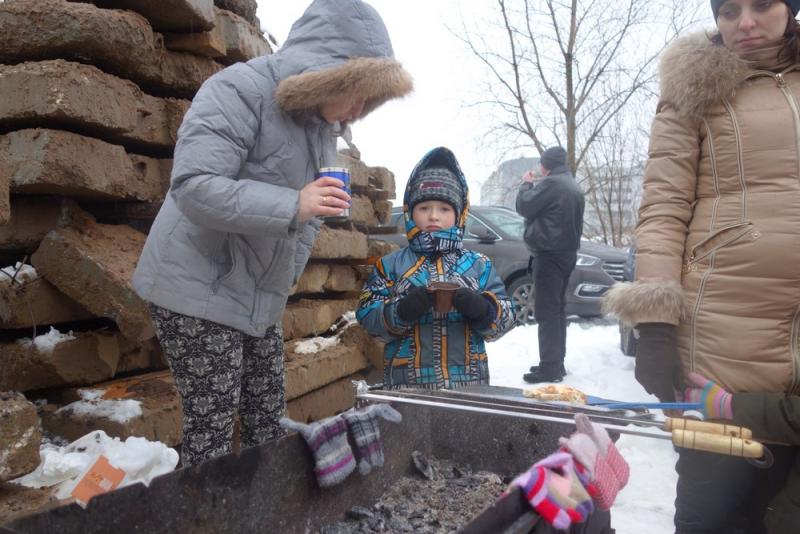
(596, 366)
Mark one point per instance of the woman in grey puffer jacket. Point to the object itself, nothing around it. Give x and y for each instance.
(238, 224)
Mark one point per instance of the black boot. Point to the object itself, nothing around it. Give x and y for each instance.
(541, 375)
(535, 368)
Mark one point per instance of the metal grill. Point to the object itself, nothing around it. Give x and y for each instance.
(615, 269)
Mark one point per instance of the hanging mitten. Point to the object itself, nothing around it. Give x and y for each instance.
(596, 475)
(552, 488)
(608, 452)
(367, 434)
(327, 440)
(716, 402)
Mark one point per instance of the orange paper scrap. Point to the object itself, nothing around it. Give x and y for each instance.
(102, 477)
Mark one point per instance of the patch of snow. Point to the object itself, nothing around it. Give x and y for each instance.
(316, 344)
(23, 272)
(596, 366)
(142, 460)
(47, 342)
(92, 404)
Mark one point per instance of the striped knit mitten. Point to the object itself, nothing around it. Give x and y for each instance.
(327, 440)
(716, 402)
(367, 434)
(553, 489)
(596, 475)
(609, 457)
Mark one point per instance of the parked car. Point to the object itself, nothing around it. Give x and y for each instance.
(498, 231)
(628, 337)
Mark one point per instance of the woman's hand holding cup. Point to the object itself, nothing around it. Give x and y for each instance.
(323, 197)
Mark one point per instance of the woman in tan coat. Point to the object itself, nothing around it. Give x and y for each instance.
(718, 259)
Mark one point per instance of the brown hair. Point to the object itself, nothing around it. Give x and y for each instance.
(790, 48)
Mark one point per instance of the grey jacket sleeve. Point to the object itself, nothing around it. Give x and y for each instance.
(533, 198)
(213, 143)
(305, 243)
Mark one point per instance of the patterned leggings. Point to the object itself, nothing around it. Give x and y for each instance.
(220, 371)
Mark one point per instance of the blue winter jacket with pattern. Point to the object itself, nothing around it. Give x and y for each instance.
(438, 350)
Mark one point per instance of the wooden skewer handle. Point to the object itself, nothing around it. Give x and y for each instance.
(733, 431)
(717, 443)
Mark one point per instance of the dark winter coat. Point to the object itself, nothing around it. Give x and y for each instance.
(226, 245)
(438, 350)
(775, 417)
(553, 211)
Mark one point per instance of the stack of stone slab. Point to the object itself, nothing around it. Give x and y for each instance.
(91, 97)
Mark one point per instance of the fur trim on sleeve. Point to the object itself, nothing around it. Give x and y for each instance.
(646, 301)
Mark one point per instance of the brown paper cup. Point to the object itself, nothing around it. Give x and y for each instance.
(443, 295)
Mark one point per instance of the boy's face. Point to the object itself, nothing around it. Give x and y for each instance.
(433, 215)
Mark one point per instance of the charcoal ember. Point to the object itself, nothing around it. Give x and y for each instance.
(423, 465)
(359, 512)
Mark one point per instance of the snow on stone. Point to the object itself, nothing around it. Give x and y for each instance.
(23, 272)
(47, 342)
(142, 460)
(314, 345)
(92, 404)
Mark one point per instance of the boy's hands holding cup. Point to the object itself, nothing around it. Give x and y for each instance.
(474, 307)
(324, 197)
(414, 304)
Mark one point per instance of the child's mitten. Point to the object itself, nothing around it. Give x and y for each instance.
(367, 434)
(327, 440)
(554, 491)
(608, 452)
(595, 473)
(716, 402)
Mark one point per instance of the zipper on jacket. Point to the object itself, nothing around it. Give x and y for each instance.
(784, 87)
(739, 157)
(794, 350)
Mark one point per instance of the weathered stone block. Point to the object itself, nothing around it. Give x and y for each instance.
(94, 265)
(244, 8)
(119, 42)
(310, 371)
(339, 244)
(63, 163)
(324, 402)
(210, 43)
(144, 356)
(321, 277)
(158, 417)
(90, 357)
(33, 217)
(169, 15)
(243, 41)
(86, 99)
(36, 302)
(312, 317)
(20, 436)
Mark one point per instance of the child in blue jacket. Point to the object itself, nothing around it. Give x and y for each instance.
(426, 348)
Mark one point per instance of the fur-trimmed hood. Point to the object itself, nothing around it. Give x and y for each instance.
(341, 48)
(696, 74)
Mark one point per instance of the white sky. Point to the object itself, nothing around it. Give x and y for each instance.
(398, 134)
(447, 78)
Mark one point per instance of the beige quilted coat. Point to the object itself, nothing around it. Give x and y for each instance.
(718, 239)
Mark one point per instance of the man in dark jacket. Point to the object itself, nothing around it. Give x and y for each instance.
(553, 211)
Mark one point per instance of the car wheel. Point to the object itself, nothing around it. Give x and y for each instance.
(521, 292)
(627, 340)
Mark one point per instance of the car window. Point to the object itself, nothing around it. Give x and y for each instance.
(472, 223)
(507, 221)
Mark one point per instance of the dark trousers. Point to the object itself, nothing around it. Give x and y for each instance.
(551, 272)
(720, 494)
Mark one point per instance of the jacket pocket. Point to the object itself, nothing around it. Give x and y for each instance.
(226, 263)
(717, 240)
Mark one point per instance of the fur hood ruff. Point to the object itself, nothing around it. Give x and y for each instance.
(696, 74)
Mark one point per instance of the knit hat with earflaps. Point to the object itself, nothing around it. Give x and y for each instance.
(436, 183)
(794, 5)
